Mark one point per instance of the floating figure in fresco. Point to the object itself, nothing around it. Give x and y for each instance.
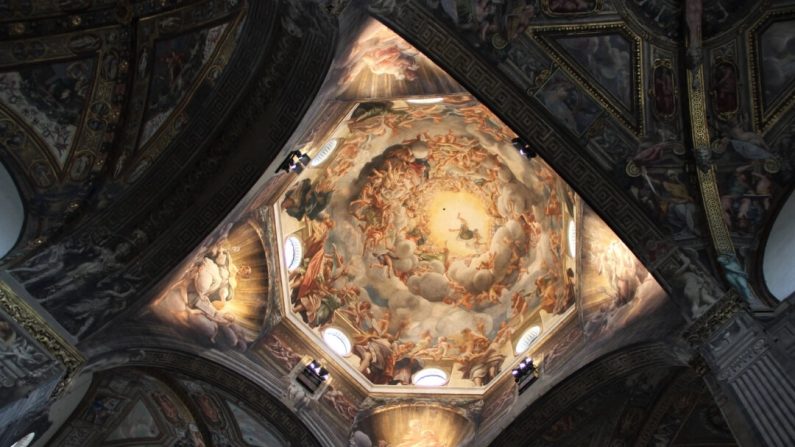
(359, 312)
(500, 21)
(105, 260)
(777, 48)
(418, 435)
(59, 91)
(383, 57)
(699, 292)
(215, 277)
(438, 351)
(560, 99)
(518, 306)
(308, 199)
(725, 88)
(664, 91)
(735, 275)
(341, 403)
(316, 299)
(282, 352)
(567, 297)
(481, 367)
(546, 290)
(44, 264)
(102, 304)
(465, 233)
(749, 145)
(747, 199)
(197, 300)
(650, 152)
(676, 203)
(375, 350)
(618, 266)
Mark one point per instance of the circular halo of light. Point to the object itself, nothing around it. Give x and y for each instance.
(293, 253)
(527, 339)
(572, 238)
(430, 377)
(324, 153)
(337, 341)
(25, 441)
(432, 100)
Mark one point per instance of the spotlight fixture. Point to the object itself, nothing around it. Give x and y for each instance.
(524, 148)
(295, 162)
(312, 376)
(525, 374)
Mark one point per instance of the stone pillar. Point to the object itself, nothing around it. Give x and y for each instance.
(753, 379)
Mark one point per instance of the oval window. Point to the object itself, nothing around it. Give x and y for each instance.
(777, 265)
(293, 253)
(572, 238)
(12, 216)
(429, 377)
(527, 339)
(432, 100)
(337, 341)
(324, 153)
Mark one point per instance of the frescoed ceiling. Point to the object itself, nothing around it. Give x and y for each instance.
(477, 183)
(427, 228)
(77, 121)
(132, 407)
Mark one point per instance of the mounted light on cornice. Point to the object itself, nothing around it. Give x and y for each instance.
(432, 100)
(294, 162)
(324, 153)
(337, 341)
(430, 377)
(525, 374)
(293, 253)
(312, 376)
(524, 148)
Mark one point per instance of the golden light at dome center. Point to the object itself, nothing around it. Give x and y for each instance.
(451, 214)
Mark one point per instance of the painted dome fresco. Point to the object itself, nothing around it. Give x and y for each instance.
(425, 233)
(413, 245)
(419, 238)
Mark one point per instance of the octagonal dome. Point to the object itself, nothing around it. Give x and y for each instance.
(418, 231)
(429, 240)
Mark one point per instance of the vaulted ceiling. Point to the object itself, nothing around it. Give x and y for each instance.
(144, 137)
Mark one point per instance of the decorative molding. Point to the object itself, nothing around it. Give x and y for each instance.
(526, 116)
(35, 325)
(714, 319)
(632, 119)
(734, 369)
(710, 196)
(606, 370)
(233, 383)
(178, 203)
(765, 118)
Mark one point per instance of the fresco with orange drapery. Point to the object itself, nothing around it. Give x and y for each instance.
(430, 238)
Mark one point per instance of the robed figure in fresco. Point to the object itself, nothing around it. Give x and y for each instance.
(198, 299)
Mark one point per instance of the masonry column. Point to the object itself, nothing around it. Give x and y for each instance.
(748, 367)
